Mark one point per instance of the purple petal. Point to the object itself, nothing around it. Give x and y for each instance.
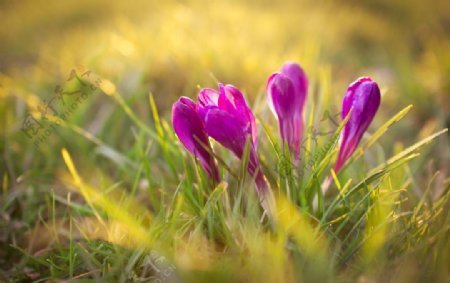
(269, 95)
(208, 96)
(286, 96)
(231, 98)
(363, 96)
(299, 79)
(291, 132)
(281, 94)
(349, 96)
(189, 129)
(222, 126)
(232, 101)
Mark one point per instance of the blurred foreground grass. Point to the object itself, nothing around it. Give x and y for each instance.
(139, 205)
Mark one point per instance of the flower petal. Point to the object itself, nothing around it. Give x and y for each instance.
(286, 96)
(189, 129)
(281, 94)
(222, 127)
(349, 96)
(300, 81)
(363, 96)
(208, 96)
(232, 100)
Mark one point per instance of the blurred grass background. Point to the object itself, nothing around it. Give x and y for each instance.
(173, 47)
(170, 48)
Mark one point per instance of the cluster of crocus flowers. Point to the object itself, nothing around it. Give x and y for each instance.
(286, 96)
(224, 116)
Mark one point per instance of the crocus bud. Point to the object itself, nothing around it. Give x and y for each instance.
(229, 120)
(363, 98)
(286, 96)
(190, 130)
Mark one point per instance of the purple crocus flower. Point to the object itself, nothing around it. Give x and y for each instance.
(229, 120)
(286, 96)
(190, 130)
(363, 97)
